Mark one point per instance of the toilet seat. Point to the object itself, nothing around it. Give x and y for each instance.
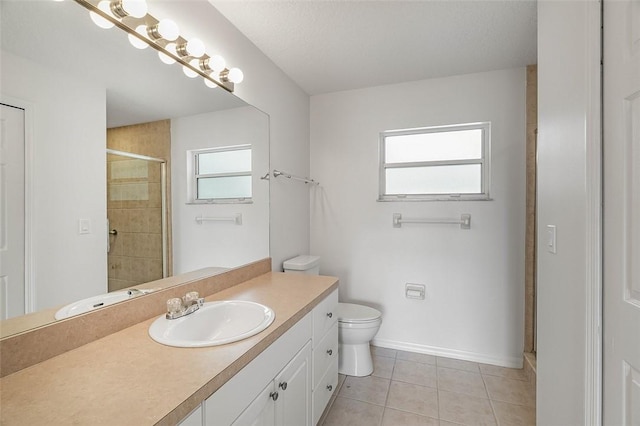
(357, 314)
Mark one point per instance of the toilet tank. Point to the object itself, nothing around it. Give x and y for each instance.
(309, 265)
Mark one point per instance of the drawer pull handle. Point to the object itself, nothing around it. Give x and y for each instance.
(283, 385)
(330, 352)
(329, 388)
(274, 396)
(330, 314)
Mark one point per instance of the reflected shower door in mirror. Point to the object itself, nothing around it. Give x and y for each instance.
(81, 85)
(137, 249)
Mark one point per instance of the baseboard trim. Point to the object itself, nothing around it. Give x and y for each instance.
(510, 362)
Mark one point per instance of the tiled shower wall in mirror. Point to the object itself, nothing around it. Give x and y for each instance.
(134, 202)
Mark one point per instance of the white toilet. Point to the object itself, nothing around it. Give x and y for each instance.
(357, 324)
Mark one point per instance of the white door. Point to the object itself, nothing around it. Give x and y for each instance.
(621, 293)
(12, 299)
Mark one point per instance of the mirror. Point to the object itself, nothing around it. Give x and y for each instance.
(75, 80)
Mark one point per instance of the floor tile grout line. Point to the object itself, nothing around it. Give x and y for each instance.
(458, 369)
(493, 409)
(415, 384)
(486, 388)
(503, 400)
(502, 375)
(359, 400)
(386, 401)
(438, 393)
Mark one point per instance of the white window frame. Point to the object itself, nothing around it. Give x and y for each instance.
(193, 176)
(484, 162)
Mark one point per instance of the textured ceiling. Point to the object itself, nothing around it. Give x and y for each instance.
(328, 46)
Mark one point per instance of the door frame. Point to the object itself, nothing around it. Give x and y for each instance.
(29, 272)
(594, 218)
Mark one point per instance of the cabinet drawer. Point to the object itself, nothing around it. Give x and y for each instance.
(325, 315)
(322, 393)
(325, 353)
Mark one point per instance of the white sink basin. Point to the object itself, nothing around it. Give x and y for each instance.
(91, 303)
(215, 323)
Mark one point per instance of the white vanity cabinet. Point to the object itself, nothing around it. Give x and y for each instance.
(285, 401)
(325, 353)
(289, 383)
(250, 394)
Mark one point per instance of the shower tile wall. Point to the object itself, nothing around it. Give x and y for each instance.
(530, 248)
(134, 203)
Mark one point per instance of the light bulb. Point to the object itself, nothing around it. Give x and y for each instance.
(216, 63)
(166, 58)
(135, 41)
(171, 47)
(210, 84)
(188, 71)
(166, 29)
(99, 20)
(135, 8)
(235, 75)
(194, 48)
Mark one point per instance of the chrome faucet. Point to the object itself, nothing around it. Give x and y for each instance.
(180, 307)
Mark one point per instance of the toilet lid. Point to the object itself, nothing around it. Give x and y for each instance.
(351, 312)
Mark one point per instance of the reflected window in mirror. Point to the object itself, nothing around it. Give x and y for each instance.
(220, 175)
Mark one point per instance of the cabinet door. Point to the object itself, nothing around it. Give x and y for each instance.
(261, 412)
(293, 384)
(194, 418)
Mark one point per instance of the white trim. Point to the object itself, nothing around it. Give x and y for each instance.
(503, 361)
(29, 197)
(593, 231)
(484, 162)
(193, 175)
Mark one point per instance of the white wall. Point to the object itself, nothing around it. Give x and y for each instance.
(266, 87)
(68, 179)
(474, 279)
(219, 243)
(568, 99)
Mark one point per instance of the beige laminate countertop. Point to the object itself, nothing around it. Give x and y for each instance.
(127, 378)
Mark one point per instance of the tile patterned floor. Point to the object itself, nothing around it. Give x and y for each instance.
(408, 389)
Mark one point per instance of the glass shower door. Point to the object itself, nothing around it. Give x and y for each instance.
(136, 210)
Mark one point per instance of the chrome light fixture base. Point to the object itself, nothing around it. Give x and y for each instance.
(129, 24)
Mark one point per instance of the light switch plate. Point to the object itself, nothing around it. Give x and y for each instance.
(84, 226)
(551, 239)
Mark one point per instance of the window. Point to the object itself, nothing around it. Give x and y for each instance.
(220, 175)
(435, 163)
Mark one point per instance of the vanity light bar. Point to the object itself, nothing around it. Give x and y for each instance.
(175, 50)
